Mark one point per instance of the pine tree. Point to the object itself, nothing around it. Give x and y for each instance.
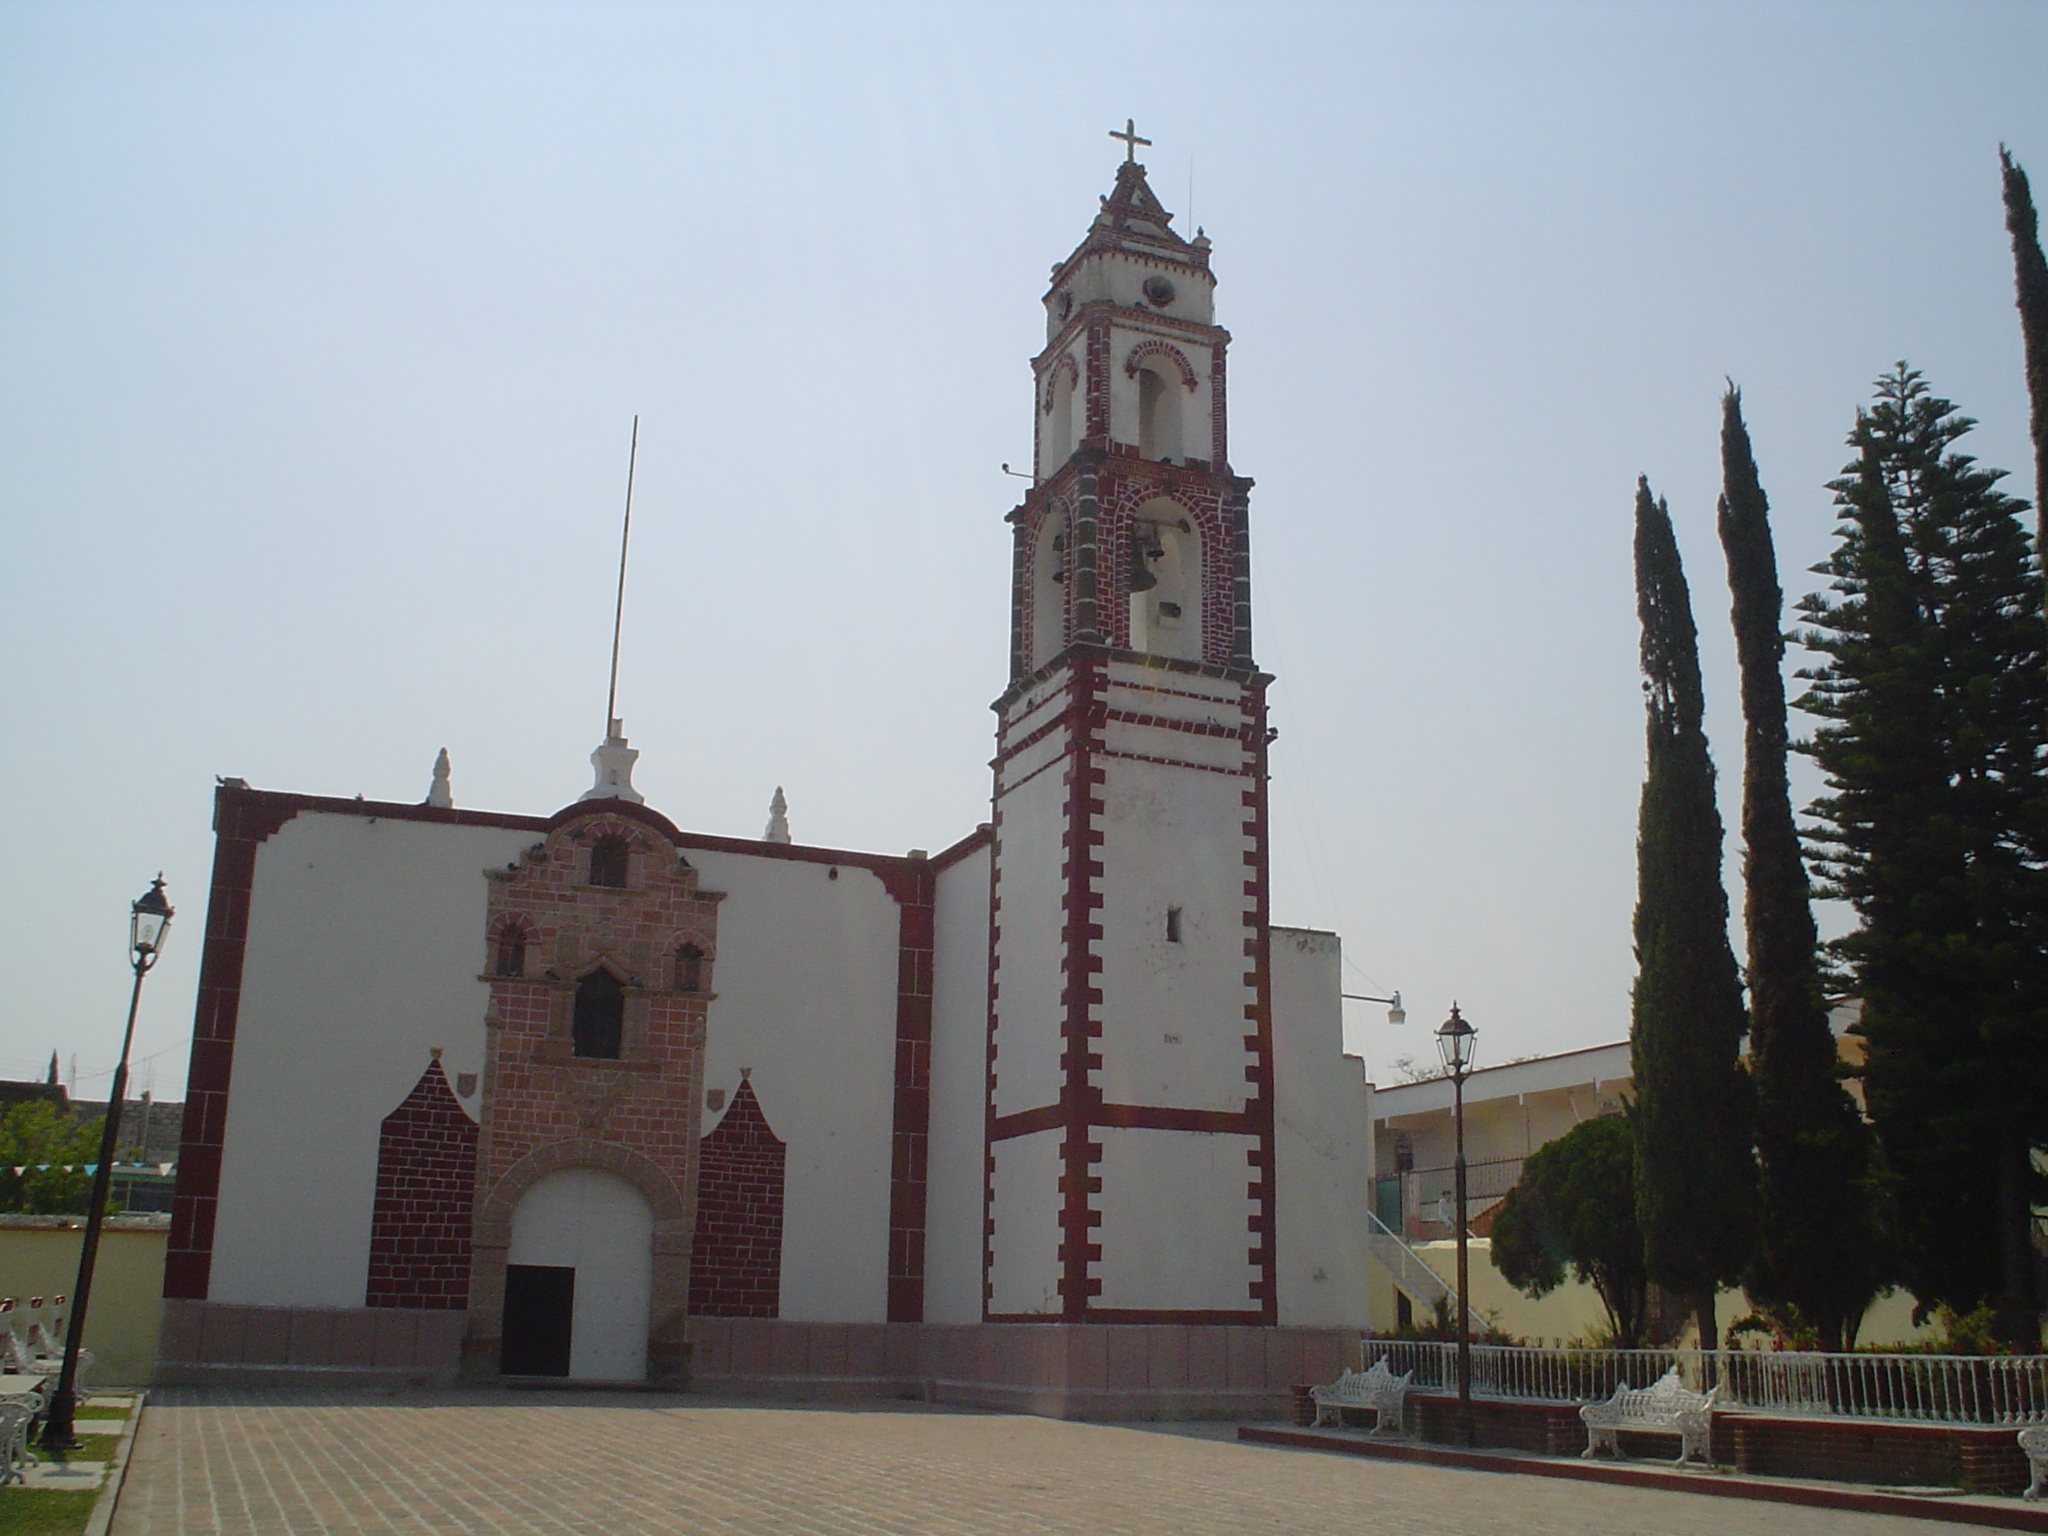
(2030, 282)
(1817, 1247)
(1695, 1178)
(1932, 697)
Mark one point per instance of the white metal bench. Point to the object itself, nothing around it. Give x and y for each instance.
(2035, 1443)
(16, 1414)
(1378, 1389)
(1670, 1407)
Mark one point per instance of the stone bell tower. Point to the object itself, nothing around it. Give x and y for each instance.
(1130, 1120)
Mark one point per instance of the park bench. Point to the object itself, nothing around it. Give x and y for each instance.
(1670, 1407)
(1378, 1389)
(2035, 1443)
(17, 1412)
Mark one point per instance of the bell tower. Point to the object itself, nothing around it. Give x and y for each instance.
(1130, 1119)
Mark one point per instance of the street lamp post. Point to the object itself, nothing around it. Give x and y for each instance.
(1454, 1044)
(149, 921)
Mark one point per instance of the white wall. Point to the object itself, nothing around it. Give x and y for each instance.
(366, 940)
(1173, 1014)
(1323, 1136)
(959, 1086)
(1031, 912)
(599, 1225)
(1175, 1227)
(1024, 1247)
(805, 995)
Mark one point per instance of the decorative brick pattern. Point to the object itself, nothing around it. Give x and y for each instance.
(426, 1183)
(1172, 356)
(910, 1126)
(736, 1255)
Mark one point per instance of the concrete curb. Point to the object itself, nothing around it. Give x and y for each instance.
(110, 1488)
(2008, 1514)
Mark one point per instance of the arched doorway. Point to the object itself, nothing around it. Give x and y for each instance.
(579, 1279)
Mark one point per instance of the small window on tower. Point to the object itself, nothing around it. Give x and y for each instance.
(511, 960)
(599, 1024)
(608, 862)
(1173, 925)
(689, 969)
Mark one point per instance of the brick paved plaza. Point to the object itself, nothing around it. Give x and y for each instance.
(252, 1463)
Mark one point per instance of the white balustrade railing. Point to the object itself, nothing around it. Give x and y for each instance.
(1936, 1389)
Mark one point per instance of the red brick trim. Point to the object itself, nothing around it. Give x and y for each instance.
(1137, 1117)
(1134, 361)
(910, 1121)
(1080, 1029)
(1258, 945)
(988, 1141)
(242, 819)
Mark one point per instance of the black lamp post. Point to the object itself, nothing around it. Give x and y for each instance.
(149, 921)
(1454, 1044)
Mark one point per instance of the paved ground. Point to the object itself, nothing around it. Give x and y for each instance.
(257, 1463)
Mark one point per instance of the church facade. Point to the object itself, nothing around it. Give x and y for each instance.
(570, 1095)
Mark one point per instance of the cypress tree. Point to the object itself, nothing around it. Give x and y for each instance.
(1695, 1178)
(2030, 283)
(1932, 696)
(1817, 1248)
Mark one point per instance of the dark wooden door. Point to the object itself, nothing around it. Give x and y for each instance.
(540, 1302)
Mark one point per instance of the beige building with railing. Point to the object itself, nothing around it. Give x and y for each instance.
(1510, 1111)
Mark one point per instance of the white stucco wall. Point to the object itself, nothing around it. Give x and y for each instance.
(599, 1225)
(1024, 1248)
(805, 996)
(1175, 1227)
(1173, 1014)
(1323, 1140)
(365, 941)
(1031, 914)
(955, 1175)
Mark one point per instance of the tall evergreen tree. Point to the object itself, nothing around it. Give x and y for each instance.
(1934, 710)
(1817, 1243)
(2030, 282)
(1695, 1178)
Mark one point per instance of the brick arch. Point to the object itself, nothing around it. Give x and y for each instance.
(1066, 366)
(1134, 360)
(529, 934)
(494, 1210)
(674, 1222)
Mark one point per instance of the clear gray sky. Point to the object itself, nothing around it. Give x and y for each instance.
(322, 327)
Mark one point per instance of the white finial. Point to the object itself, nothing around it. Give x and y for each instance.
(778, 819)
(438, 793)
(614, 764)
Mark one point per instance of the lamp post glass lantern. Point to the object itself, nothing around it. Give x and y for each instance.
(149, 923)
(1454, 1043)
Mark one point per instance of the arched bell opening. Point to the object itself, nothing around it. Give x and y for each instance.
(1056, 440)
(1166, 582)
(1160, 412)
(1050, 566)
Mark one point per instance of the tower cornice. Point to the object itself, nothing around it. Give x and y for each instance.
(1203, 331)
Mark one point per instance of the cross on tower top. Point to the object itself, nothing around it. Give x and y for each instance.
(1131, 140)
